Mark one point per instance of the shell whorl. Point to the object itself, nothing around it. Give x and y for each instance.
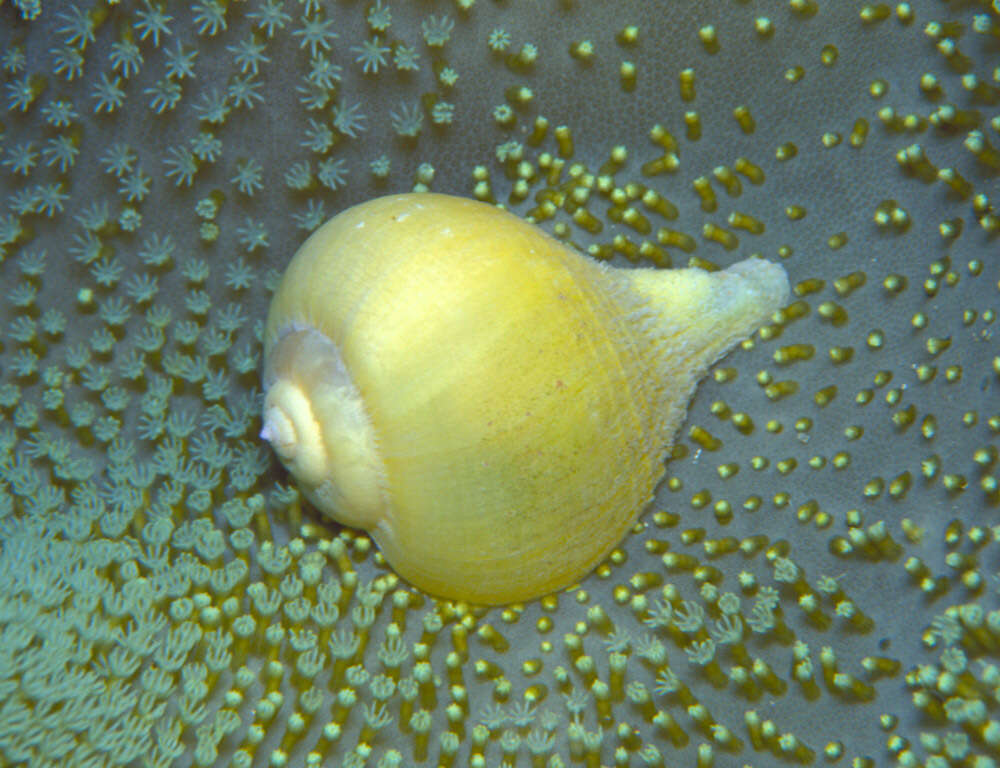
(316, 421)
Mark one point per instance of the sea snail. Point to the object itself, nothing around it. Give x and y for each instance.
(493, 407)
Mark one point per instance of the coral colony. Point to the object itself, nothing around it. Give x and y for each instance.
(816, 582)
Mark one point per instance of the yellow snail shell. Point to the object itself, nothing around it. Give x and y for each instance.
(491, 406)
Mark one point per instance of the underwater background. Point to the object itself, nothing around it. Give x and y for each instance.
(817, 580)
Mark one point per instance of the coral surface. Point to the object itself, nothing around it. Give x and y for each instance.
(816, 582)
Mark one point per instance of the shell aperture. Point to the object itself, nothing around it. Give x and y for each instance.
(493, 407)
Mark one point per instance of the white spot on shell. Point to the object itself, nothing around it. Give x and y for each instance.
(294, 326)
(402, 216)
(360, 225)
